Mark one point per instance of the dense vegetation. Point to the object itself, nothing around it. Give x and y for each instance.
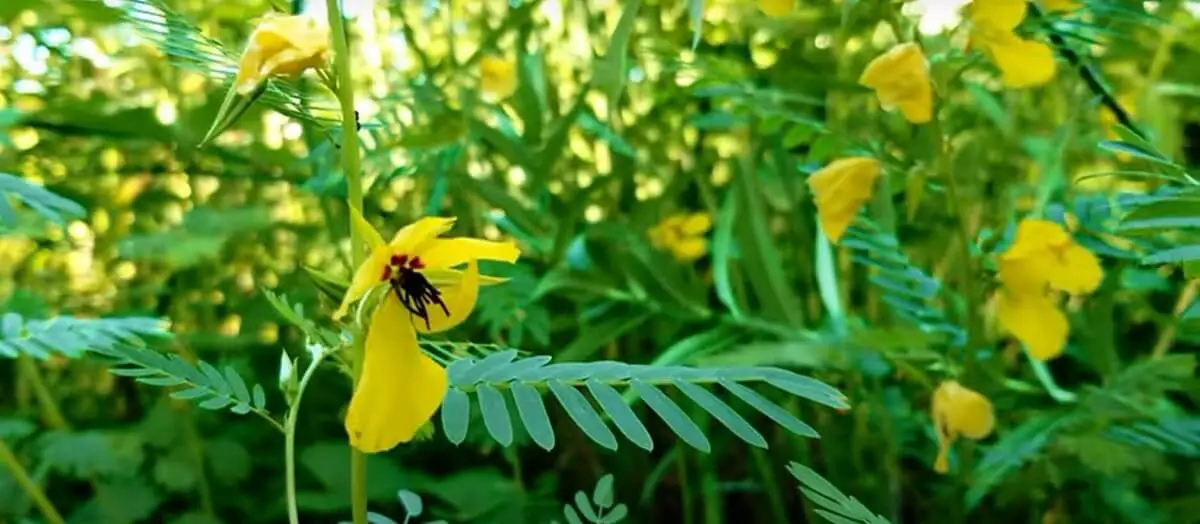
(848, 261)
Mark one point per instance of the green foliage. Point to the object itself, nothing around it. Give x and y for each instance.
(45, 203)
(599, 509)
(526, 379)
(201, 383)
(831, 503)
(73, 336)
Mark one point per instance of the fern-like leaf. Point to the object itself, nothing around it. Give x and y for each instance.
(831, 503)
(72, 336)
(909, 290)
(201, 383)
(42, 201)
(492, 382)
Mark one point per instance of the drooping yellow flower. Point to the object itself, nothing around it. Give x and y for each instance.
(682, 235)
(1022, 63)
(1042, 260)
(497, 77)
(401, 387)
(840, 189)
(776, 8)
(956, 411)
(900, 78)
(282, 46)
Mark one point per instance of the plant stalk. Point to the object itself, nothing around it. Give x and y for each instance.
(289, 438)
(352, 169)
(27, 484)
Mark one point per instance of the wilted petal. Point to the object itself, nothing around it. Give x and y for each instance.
(957, 410)
(400, 388)
(1035, 320)
(460, 301)
(900, 78)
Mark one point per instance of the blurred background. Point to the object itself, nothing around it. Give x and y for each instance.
(515, 117)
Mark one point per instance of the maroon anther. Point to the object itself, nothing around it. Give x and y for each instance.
(387, 273)
(399, 260)
(416, 263)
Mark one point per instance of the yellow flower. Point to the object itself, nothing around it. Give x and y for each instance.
(900, 78)
(401, 387)
(840, 189)
(682, 235)
(1022, 63)
(281, 46)
(1042, 259)
(956, 411)
(497, 77)
(776, 8)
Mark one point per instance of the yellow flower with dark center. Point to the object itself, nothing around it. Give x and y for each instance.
(682, 235)
(1042, 260)
(401, 387)
(281, 46)
(956, 411)
(497, 77)
(776, 8)
(900, 78)
(840, 189)
(1022, 63)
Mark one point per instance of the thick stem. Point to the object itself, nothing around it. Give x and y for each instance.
(352, 169)
(289, 438)
(35, 493)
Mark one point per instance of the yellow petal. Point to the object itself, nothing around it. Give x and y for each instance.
(1033, 236)
(1078, 271)
(412, 238)
(963, 411)
(365, 230)
(696, 224)
(460, 302)
(1035, 320)
(248, 77)
(1002, 15)
(839, 191)
(367, 276)
(443, 253)
(1022, 63)
(497, 77)
(285, 45)
(776, 8)
(446, 277)
(900, 78)
(691, 249)
(400, 388)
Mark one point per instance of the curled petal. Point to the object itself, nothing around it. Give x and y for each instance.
(460, 302)
(400, 388)
(1078, 270)
(1022, 63)
(839, 191)
(696, 224)
(412, 238)
(368, 275)
(444, 253)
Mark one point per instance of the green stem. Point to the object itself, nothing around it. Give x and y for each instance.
(352, 169)
(968, 273)
(770, 485)
(289, 438)
(51, 414)
(31, 488)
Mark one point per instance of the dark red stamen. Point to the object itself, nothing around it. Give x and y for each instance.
(416, 263)
(412, 289)
(399, 260)
(387, 273)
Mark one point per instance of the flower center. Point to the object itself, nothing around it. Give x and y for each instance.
(412, 289)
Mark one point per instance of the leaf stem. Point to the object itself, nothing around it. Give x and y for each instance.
(51, 414)
(31, 488)
(352, 169)
(289, 437)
